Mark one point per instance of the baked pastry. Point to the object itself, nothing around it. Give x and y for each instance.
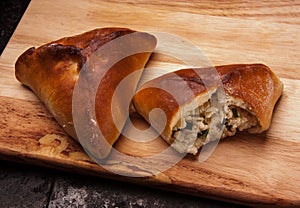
(52, 70)
(201, 106)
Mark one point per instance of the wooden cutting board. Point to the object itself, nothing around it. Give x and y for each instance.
(257, 170)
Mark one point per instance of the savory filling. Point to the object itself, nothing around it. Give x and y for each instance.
(199, 126)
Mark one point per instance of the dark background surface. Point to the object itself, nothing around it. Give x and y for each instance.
(10, 14)
(24, 185)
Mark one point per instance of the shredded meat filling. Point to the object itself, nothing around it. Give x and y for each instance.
(192, 131)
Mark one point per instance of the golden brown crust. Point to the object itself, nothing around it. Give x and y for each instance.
(255, 84)
(52, 70)
(92, 40)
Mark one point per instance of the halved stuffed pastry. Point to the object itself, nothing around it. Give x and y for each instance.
(200, 106)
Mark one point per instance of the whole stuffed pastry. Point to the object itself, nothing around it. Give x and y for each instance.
(52, 70)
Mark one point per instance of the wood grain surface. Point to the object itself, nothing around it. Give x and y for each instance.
(256, 170)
